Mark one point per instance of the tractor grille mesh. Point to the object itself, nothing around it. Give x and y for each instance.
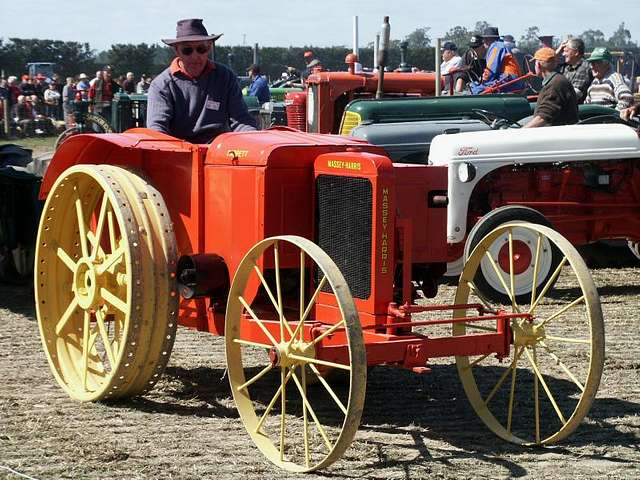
(344, 228)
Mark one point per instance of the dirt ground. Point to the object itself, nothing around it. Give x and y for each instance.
(414, 426)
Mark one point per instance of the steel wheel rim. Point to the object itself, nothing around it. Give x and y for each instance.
(531, 343)
(351, 410)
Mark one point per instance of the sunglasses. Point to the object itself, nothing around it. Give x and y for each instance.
(189, 50)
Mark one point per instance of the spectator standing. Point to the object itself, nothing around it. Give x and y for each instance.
(102, 92)
(97, 78)
(14, 90)
(259, 86)
(68, 96)
(26, 87)
(83, 82)
(575, 67)
(557, 102)
(142, 86)
(608, 87)
(41, 86)
(129, 83)
(51, 98)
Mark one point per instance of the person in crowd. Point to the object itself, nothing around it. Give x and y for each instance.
(41, 85)
(259, 86)
(97, 78)
(310, 62)
(43, 124)
(14, 90)
(451, 62)
(575, 67)
(4, 90)
(26, 87)
(501, 67)
(196, 99)
(143, 85)
(557, 102)
(129, 84)
(24, 116)
(83, 82)
(101, 93)
(608, 87)
(546, 41)
(51, 99)
(68, 97)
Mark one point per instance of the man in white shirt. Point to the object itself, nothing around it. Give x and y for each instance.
(451, 61)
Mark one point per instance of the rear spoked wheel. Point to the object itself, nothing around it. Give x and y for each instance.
(542, 390)
(298, 419)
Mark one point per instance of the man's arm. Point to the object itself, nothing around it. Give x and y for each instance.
(159, 109)
(536, 121)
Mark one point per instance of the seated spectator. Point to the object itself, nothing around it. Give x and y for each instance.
(24, 116)
(608, 87)
(129, 83)
(52, 101)
(557, 103)
(576, 69)
(42, 123)
(451, 62)
(259, 86)
(501, 67)
(473, 62)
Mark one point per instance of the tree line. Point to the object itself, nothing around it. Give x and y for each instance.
(72, 58)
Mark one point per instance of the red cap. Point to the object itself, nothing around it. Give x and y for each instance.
(25, 78)
(308, 54)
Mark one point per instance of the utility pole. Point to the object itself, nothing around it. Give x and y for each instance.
(244, 39)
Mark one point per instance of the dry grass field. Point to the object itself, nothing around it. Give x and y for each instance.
(414, 426)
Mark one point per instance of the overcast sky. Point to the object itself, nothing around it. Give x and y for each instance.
(285, 23)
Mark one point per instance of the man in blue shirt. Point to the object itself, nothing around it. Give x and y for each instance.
(196, 99)
(259, 86)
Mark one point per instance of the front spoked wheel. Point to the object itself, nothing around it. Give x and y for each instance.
(543, 389)
(277, 356)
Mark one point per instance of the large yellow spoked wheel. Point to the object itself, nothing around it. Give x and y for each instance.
(105, 285)
(298, 424)
(540, 392)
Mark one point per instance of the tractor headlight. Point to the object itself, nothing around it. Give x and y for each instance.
(466, 172)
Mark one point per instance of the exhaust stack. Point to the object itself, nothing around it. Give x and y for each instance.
(383, 55)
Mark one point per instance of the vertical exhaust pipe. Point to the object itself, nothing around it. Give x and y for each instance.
(356, 47)
(383, 55)
(438, 73)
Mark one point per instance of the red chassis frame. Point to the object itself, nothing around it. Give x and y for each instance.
(266, 179)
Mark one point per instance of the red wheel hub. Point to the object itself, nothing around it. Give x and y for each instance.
(521, 257)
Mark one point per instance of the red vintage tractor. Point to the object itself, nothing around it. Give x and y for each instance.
(302, 250)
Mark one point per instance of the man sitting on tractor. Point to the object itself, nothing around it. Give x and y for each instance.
(557, 101)
(502, 67)
(196, 99)
(608, 87)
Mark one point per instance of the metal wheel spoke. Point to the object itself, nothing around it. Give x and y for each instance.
(66, 315)
(66, 259)
(283, 408)
(256, 377)
(503, 377)
(562, 365)
(82, 228)
(328, 387)
(114, 300)
(511, 275)
(100, 225)
(583, 341)
(535, 268)
(272, 298)
(272, 402)
(85, 349)
(321, 429)
(302, 285)
(305, 417)
(511, 397)
(105, 339)
(561, 311)
(504, 284)
(258, 321)
(304, 316)
(327, 332)
(536, 396)
(476, 361)
(252, 344)
(112, 259)
(552, 399)
(548, 284)
(316, 361)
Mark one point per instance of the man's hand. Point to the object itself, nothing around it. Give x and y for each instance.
(627, 113)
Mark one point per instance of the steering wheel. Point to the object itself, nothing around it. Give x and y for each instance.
(494, 120)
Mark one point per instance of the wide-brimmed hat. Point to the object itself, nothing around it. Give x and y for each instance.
(191, 30)
(491, 32)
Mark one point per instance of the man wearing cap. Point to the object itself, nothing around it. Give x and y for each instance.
(259, 86)
(450, 61)
(310, 62)
(557, 102)
(576, 69)
(608, 87)
(473, 62)
(501, 67)
(196, 99)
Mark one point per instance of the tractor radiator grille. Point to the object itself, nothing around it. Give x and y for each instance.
(344, 210)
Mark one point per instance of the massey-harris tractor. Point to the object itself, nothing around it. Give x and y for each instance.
(304, 251)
